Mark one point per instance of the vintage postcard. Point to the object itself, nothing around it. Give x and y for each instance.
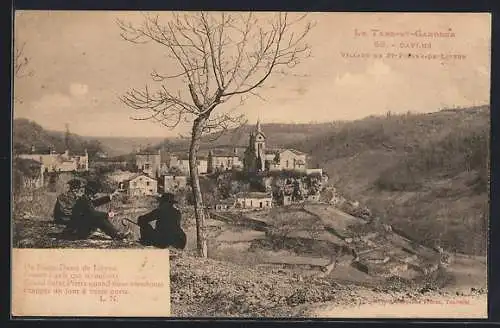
(251, 164)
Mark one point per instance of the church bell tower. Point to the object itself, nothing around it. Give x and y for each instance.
(259, 140)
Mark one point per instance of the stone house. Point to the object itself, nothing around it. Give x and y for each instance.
(258, 200)
(315, 172)
(65, 162)
(222, 160)
(141, 185)
(313, 198)
(182, 163)
(225, 204)
(285, 160)
(149, 162)
(172, 183)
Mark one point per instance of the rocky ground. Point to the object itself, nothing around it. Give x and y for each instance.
(230, 287)
(215, 288)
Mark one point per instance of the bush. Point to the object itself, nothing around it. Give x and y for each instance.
(37, 203)
(460, 151)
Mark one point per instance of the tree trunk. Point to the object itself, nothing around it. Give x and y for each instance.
(199, 210)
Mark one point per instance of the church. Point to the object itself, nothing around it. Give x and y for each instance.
(259, 158)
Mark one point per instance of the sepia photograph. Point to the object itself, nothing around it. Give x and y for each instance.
(277, 164)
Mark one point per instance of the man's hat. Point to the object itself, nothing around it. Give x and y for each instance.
(167, 197)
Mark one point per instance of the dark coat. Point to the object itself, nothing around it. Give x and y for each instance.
(63, 208)
(168, 218)
(84, 210)
(168, 229)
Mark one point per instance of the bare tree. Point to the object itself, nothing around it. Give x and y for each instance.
(219, 56)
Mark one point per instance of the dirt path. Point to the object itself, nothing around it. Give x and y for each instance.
(471, 307)
(464, 297)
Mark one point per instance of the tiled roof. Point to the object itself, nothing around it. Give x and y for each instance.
(138, 175)
(226, 153)
(297, 152)
(253, 194)
(280, 150)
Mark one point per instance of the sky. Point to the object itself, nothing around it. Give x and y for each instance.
(81, 65)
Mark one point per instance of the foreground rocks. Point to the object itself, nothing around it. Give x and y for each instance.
(205, 287)
(210, 288)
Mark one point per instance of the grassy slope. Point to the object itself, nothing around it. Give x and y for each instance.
(425, 173)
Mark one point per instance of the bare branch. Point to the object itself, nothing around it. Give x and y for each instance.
(217, 57)
(20, 62)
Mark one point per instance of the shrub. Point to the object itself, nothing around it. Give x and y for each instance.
(36, 203)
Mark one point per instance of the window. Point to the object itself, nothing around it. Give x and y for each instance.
(148, 183)
(287, 162)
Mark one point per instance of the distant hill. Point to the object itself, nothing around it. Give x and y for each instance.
(116, 146)
(28, 134)
(424, 173)
(278, 135)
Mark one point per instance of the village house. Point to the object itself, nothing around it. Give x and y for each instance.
(119, 176)
(259, 200)
(222, 160)
(259, 158)
(173, 161)
(172, 183)
(148, 162)
(164, 169)
(101, 155)
(285, 160)
(313, 198)
(317, 172)
(141, 185)
(284, 200)
(182, 163)
(55, 162)
(225, 204)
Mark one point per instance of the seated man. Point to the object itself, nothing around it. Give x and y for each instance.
(66, 201)
(85, 219)
(168, 230)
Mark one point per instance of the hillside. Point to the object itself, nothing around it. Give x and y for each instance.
(279, 135)
(27, 133)
(426, 174)
(116, 146)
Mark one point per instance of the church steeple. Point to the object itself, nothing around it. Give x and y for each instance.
(255, 153)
